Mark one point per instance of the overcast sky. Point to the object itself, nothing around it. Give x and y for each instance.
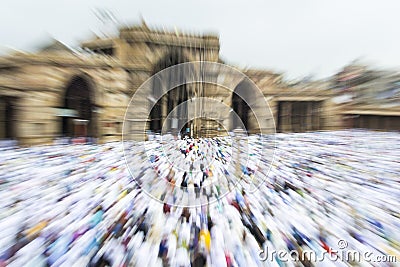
(297, 37)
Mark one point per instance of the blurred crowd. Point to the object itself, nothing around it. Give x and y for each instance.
(183, 202)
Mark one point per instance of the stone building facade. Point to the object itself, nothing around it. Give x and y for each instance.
(60, 92)
(370, 97)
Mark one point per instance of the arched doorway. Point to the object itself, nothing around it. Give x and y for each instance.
(242, 99)
(77, 117)
(172, 98)
(7, 119)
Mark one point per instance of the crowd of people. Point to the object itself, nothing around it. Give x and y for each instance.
(203, 202)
